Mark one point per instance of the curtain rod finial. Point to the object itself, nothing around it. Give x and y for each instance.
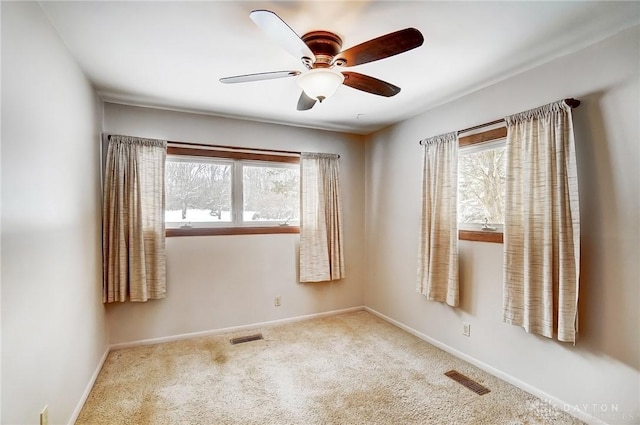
(574, 103)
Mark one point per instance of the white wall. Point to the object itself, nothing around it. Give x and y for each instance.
(53, 321)
(216, 282)
(602, 369)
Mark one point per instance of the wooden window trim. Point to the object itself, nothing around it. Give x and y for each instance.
(219, 231)
(485, 136)
(480, 236)
(215, 153)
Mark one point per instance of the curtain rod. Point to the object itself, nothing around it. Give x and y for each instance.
(571, 102)
(230, 147)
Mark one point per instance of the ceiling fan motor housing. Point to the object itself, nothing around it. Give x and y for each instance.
(325, 46)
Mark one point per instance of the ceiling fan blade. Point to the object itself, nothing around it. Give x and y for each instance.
(382, 47)
(369, 84)
(305, 102)
(281, 33)
(258, 77)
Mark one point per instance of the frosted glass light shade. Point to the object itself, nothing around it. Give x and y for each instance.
(320, 83)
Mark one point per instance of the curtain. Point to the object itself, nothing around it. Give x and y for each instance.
(542, 223)
(438, 249)
(133, 231)
(321, 240)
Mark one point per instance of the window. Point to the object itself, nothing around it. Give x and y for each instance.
(198, 191)
(481, 186)
(212, 192)
(271, 193)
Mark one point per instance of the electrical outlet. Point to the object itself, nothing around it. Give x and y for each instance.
(44, 416)
(277, 301)
(466, 329)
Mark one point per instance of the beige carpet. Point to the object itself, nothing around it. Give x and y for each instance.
(348, 369)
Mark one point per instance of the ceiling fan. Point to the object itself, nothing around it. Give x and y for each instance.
(321, 54)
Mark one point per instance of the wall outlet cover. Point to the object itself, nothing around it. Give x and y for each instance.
(466, 329)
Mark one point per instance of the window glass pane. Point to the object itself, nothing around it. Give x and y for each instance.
(271, 193)
(481, 182)
(198, 190)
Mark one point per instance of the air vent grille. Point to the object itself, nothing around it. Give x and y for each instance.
(247, 338)
(467, 382)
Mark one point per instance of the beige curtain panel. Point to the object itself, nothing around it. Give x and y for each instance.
(438, 249)
(321, 239)
(133, 230)
(542, 223)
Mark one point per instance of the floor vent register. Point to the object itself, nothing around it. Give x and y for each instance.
(247, 338)
(467, 382)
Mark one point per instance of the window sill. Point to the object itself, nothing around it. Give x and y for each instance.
(480, 236)
(216, 231)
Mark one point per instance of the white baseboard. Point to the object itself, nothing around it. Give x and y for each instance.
(562, 405)
(85, 394)
(233, 328)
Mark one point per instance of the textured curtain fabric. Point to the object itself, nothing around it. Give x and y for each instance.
(133, 231)
(542, 223)
(321, 240)
(438, 249)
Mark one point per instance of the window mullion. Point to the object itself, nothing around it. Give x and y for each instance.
(237, 201)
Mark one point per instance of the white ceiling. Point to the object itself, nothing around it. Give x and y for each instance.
(171, 54)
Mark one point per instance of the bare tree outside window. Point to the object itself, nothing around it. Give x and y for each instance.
(197, 191)
(271, 193)
(481, 185)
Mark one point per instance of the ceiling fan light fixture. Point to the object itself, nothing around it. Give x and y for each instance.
(320, 83)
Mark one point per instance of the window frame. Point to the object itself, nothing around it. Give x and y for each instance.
(233, 228)
(474, 139)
